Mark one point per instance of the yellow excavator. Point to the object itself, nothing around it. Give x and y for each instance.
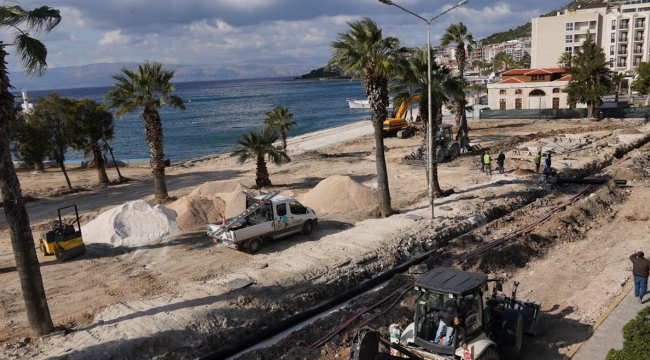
(393, 125)
(63, 241)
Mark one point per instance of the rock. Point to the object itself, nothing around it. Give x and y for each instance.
(9, 322)
(24, 340)
(261, 265)
(20, 344)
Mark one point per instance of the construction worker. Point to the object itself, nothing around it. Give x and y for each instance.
(547, 165)
(487, 162)
(640, 270)
(538, 161)
(500, 160)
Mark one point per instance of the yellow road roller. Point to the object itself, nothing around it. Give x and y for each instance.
(64, 240)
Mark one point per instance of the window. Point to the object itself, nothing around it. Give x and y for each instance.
(518, 92)
(533, 78)
(569, 26)
(502, 104)
(518, 103)
(611, 50)
(629, 10)
(613, 39)
(502, 92)
(592, 25)
(613, 24)
(296, 208)
(556, 90)
(568, 49)
(281, 210)
(568, 39)
(556, 103)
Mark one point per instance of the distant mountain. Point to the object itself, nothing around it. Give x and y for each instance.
(100, 74)
(321, 73)
(525, 29)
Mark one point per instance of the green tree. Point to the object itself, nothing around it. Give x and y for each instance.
(32, 54)
(280, 119)
(590, 76)
(58, 116)
(478, 89)
(524, 62)
(363, 52)
(642, 82)
(636, 339)
(258, 145)
(148, 88)
(29, 137)
(93, 126)
(504, 62)
(565, 60)
(617, 79)
(459, 35)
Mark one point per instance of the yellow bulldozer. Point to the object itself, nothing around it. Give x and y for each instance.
(64, 240)
(399, 123)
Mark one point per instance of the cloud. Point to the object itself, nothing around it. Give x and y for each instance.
(114, 37)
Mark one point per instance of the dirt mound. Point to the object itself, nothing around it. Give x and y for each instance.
(132, 224)
(196, 211)
(219, 187)
(338, 194)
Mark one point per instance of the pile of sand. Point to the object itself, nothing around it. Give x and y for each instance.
(338, 194)
(210, 202)
(132, 224)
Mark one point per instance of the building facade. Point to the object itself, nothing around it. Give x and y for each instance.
(621, 29)
(530, 89)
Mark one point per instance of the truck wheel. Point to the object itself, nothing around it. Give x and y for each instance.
(254, 245)
(490, 354)
(513, 334)
(440, 155)
(454, 152)
(307, 228)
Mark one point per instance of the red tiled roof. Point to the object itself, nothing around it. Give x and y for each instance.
(515, 72)
(511, 81)
(544, 71)
(565, 78)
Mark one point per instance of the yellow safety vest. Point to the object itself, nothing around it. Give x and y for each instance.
(487, 159)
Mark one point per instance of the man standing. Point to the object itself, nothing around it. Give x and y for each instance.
(547, 165)
(538, 161)
(500, 160)
(640, 270)
(487, 161)
(455, 323)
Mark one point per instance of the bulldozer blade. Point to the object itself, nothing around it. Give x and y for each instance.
(70, 253)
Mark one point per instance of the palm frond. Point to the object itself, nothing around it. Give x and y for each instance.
(32, 53)
(43, 17)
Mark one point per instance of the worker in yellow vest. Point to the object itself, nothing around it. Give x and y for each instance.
(487, 161)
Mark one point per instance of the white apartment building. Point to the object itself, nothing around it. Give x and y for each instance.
(620, 28)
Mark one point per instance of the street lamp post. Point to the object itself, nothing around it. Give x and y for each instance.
(430, 135)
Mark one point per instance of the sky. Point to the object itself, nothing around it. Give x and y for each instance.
(250, 31)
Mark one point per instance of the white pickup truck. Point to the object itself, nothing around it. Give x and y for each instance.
(278, 217)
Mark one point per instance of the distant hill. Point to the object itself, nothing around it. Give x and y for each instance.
(321, 73)
(100, 74)
(525, 29)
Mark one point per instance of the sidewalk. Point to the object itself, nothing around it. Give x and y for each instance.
(609, 334)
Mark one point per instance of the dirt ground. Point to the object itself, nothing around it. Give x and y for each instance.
(184, 297)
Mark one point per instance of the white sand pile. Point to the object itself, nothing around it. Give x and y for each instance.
(338, 194)
(211, 202)
(132, 224)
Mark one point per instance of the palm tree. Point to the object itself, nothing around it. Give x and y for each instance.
(258, 145)
(280, 119)
(363, 52)
(148, 88)
(94, 124)
(478, 88)
(565, 60)
(458, 34)
(504, 62)
(33, 54)
(617, 79)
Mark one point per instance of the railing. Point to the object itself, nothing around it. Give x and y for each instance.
(623, 26)
(640, 24)
(622, 39)
(638, 38)
(622, 52)
(638, 51)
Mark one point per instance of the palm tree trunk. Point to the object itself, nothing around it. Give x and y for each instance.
(283, 136)
(377, 92)
(22, 241)
(110, 149)
(457, 111)
(154, 133)
(98, 159)
(262, 178)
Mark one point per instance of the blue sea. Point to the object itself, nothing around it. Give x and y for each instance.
(217, 112)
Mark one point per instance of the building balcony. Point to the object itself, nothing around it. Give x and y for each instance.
(638, 51)
(621, 65)
(638, 38)
(622, 52)
(640, 24)
(623, 39)
(623, 26)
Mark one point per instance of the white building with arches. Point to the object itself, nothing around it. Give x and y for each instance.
(531, 89)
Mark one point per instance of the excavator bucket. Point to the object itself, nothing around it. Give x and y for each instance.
(63, 255)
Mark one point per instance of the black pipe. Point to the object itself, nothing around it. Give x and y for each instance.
(296, 319)
(590, 181)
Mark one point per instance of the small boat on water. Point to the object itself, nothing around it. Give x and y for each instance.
(365, 104)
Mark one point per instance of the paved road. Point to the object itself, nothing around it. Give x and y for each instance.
(45, 209)
(609, 334)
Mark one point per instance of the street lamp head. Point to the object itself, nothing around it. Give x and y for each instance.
(387, 2)
(463, 2)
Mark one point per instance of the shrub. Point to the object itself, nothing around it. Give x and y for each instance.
(636, 339)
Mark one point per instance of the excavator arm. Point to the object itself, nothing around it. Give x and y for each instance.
(399, 122)
(405, 106)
